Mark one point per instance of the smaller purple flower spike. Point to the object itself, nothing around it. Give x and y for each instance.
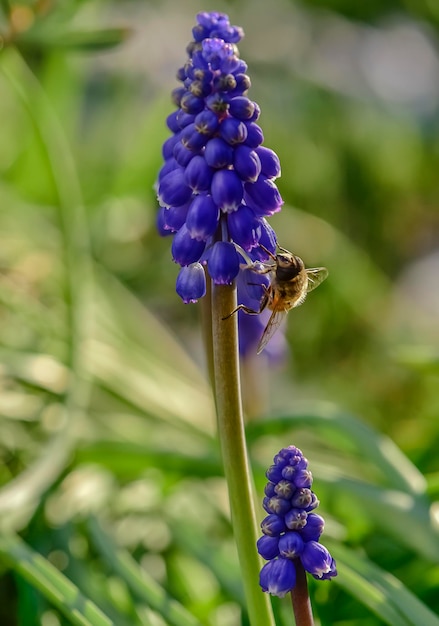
(290, 531)
(217, 183)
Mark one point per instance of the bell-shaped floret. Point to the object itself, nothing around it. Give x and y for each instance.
(270, 163)
(202, 217)
(218, 154)
(198, 174)
(223, 263)
(278, 577)
(291, 545)
(227, 190)
(173, 190)
(315, 525)
(317, 560)
(191, 283)
(185, 249)
(263, 196)
(233, 131)
(268, 547)
(246, 163)
(243, 227)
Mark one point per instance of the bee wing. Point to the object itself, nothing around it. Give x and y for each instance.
(316, 275)
(273, 324)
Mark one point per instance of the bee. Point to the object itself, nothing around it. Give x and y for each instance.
(290, 282)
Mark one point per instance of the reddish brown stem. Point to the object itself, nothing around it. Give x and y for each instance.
(300, 598)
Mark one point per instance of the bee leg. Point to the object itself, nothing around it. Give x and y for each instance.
(270, 254)
(248, 310)
(262, 286)
(265, 270)
(266, 290)
(242, 307)
(266, 295)
(284, 250)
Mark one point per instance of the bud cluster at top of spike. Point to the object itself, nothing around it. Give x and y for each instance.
(216, 186)
(291, 529)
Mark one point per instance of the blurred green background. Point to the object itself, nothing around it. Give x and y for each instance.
(109, 466)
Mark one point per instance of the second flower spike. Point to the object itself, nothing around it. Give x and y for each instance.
(291, 529)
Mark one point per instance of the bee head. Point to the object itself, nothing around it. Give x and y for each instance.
(288, 265)
(286, 259)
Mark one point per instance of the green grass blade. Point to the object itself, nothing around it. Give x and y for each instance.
(20, 497)
(84, 41)
(128, 460)
(140, 583)
(394, 512)
(384, 594)
(136, 357)
(58, 589)
(378, 449)
(72, 216)
(78, 282)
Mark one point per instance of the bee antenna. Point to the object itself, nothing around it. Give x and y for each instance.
(284, 249)
(270, 254)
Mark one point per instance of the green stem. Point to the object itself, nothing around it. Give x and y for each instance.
(206, 326)
(234, 452)
(300, 598)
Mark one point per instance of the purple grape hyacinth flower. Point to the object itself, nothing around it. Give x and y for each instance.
(216, 187)
(290, 530)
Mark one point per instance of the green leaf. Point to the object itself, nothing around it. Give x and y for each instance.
(384, 594)
(84, 41)
(221, 560)
(398, 471)
(130, 357)
(58, 589)
(394, 512)
(128, 459)
(20, 497)
(78, 277)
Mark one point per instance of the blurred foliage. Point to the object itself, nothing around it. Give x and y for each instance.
(109, 469)
(371, 11)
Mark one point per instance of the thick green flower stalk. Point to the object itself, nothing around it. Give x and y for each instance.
(216, 189)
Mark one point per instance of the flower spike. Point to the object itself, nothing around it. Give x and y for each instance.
(290, 530)
(217, 183)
